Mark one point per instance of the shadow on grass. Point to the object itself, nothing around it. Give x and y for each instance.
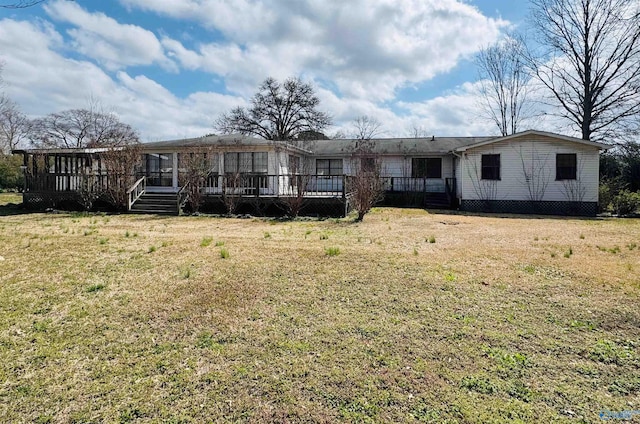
(13, 209)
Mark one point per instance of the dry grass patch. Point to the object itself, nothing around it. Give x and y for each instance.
(483, 325)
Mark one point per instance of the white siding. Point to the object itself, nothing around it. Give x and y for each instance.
(538, 156)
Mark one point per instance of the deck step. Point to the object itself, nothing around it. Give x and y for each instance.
(156, 203)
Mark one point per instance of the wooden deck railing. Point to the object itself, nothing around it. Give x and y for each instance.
(137, 190)
(255, 185)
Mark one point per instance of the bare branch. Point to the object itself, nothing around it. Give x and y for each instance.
(504, 84)
(20, 4)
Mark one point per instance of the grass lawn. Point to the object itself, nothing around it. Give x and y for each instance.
(6, 198)
(408, 316)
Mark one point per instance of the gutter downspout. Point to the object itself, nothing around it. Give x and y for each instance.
(453, 152)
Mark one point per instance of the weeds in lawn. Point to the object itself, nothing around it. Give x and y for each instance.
(267, 235)
(324, 237)
(478, 383)
(431, 239)
(613, 250)
(103, 240)
(185, 272)
(96, 287)
(631, 246)
(332, 251)
(224, 253)
(582, 325)
(152, 249)
(219, 243)
(610, 352)
(206, 241)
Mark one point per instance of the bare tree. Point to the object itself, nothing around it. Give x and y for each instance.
(119, 165)
(20, 4)
(486, 190)
(14, 125)
(195, 166)
(296, 185)
(574, 190)
(536, 175)
(278, 112)
(504, 82)
(416, 130)
(365, 127)
(591, 63)
(77, 128)
(366, 185)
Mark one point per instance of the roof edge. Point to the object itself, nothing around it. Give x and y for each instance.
(600, 146)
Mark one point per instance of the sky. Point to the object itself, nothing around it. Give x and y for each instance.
(170, 68)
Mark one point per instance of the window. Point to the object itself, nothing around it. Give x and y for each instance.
(566, 166)
(246, 162)
(426, 168)
(329, 166)
(490, 167)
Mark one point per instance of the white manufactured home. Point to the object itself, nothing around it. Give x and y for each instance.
(528, 172)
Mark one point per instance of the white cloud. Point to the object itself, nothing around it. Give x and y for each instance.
(369, 48)
(104, 39)
(43, 81)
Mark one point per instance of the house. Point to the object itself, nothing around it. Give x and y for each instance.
(528, 172)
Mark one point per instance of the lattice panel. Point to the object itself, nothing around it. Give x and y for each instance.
(526, 207)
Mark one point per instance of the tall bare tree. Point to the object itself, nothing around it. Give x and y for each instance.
(504, 84)
(77, 128)
(365, 127)
(278, 112)
(14, 125)
(591, 65)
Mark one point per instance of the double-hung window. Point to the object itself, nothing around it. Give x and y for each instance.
(490, 167)
(566, 166)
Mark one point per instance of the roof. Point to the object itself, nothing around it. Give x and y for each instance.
(600, 146)
(393, 146)
(218, 141)
(342, 147)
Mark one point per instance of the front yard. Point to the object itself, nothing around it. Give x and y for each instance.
(408, 316)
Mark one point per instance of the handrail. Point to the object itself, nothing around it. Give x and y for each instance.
(182, 196)
(136, 191)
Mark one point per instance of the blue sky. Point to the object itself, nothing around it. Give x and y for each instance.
(170, 68)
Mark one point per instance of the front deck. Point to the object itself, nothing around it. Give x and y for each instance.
(253, 193)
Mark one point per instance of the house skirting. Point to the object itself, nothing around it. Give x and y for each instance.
(277, 206)
(43, 200)
(529, 207)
